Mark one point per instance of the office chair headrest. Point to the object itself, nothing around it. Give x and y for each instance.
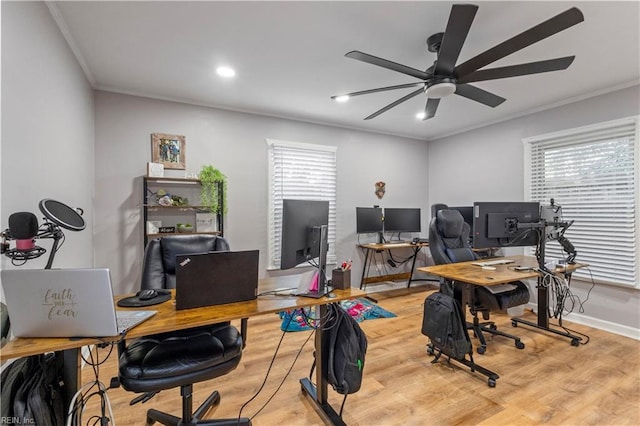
(174, 245)
(435, 208)
(450, 223)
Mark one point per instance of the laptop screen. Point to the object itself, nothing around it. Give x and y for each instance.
(216, 278)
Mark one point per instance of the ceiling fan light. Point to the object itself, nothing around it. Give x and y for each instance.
(440, 90)
(421, 115)
(342, 98)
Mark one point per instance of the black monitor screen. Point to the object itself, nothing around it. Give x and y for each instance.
(368, 219)
(467, 214)
(402, 220)
(301, 224)
(503, 224)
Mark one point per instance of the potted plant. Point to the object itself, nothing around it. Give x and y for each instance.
(212, 181)
(184, 228)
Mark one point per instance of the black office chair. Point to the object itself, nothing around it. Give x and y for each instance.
(449, 243)
(154, 363)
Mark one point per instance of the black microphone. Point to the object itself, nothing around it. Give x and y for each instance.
(23, 227)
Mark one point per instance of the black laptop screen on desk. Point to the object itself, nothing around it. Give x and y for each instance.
(216, 278)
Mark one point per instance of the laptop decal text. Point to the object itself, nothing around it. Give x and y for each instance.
(62, 303)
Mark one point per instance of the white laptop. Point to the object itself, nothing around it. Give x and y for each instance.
(65, 303)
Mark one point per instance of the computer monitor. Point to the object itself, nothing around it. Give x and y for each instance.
(402, 220)
(304, 233)
(368, 220)
(505, 224)
(467, 214)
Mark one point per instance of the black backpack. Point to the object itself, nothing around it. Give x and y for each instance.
(445, 327)
(346, 349)
(32, 390)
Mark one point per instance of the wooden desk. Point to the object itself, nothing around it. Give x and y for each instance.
(168, 319)
(468, 273)
(372, 248)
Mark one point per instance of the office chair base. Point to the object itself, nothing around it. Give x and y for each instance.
(194, 419)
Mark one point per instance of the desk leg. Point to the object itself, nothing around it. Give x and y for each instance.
(413, 264)
(71, 375)
(543, 316)
(367, 263)
(317, 394)
(364, 267)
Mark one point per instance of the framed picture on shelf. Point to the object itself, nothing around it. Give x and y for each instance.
(155, 169)
(206, 222)
(168, 150)
(153, 226)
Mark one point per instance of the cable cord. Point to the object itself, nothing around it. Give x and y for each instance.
(273, 358)
(310, 320)
(285, 376)
(87, 392)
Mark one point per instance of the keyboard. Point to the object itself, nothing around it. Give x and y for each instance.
(494, 262)
(126, 320)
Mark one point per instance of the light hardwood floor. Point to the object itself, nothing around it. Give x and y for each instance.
(549, 382)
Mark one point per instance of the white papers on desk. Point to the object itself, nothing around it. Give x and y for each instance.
(500, 288)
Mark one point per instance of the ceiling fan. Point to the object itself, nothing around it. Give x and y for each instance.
(444, 78)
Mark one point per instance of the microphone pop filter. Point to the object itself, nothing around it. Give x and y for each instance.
(61, 214)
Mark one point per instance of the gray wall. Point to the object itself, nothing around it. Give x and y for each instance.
(47, 128)
(234, 143)
(490, 165)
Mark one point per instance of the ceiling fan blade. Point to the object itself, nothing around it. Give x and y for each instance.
(518, 70)
(541, 31)
(381, 89)
(460, 20)
(370, 59)
(430, 108)
(476, 94)
(396, 103)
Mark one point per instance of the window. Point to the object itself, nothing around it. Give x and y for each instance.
(592, 172)
(302, 172)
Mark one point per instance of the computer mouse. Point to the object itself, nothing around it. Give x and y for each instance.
(147, 294)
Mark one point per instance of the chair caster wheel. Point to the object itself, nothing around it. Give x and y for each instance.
(514, 323)
(493, 327)
(575, 342)
(430, 349)
(519, 344)
(491, 383)
(481, 350)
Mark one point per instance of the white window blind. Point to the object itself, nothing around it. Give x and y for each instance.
(592, 172)
(300, 171)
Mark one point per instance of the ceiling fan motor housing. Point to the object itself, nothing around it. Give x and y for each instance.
(440, 87)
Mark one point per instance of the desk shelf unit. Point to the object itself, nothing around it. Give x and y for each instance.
(170, 216)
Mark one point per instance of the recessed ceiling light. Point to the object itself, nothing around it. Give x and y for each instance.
(343, 98)
(225, 72)
(421, 115)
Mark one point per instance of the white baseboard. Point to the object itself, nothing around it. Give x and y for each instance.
(611, 327)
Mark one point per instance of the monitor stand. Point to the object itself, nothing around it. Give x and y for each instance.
(323, 289)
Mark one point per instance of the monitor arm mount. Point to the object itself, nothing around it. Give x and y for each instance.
(561, 226)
